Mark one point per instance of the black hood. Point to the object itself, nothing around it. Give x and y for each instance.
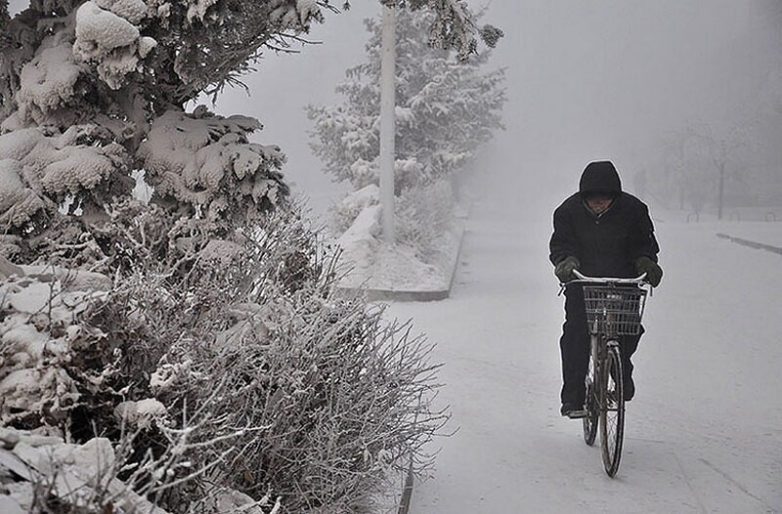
(600, 177)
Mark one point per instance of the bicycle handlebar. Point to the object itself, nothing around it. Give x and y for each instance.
(608, 280)
(583, 279)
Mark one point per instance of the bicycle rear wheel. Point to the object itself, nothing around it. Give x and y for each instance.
(590, 405)
(612, 411)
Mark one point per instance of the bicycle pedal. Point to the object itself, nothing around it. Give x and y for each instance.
(578, 414)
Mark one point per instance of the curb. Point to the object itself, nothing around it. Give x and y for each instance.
(751, 244)
(407, 491)
(373, 295)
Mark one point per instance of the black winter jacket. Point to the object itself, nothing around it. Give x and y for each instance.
(606, 245)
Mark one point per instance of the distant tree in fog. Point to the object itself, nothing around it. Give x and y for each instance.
(723, 152)
(445, 110)
(701, 163)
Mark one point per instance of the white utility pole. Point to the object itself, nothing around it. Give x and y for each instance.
(387, 121)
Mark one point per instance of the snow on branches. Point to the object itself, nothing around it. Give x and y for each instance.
(453, 26)
(219, 340)
(107, 32)
(445, 111)
(43, 169)
(206, 163)
(38, 331)
(47, 82)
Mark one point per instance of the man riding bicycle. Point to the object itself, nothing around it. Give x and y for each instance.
(602, 232)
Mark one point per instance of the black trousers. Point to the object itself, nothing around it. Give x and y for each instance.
(574, 345)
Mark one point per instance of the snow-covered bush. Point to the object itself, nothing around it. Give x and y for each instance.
(423, 215)
(247, 352)
(202, 166)
(344, 213)
(45, 474)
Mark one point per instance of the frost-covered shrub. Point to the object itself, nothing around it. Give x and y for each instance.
(423, 215)
(346, 211)
(275, 380)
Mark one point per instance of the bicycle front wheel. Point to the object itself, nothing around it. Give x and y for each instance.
(612, 411)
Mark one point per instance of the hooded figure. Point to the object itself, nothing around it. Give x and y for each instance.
(602, 232)
(606, 244)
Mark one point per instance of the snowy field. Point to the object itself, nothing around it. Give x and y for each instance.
(704, 433)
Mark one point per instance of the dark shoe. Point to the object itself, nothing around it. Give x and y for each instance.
(629, 389)
(568, 408)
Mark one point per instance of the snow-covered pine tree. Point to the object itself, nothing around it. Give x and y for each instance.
(446, 109)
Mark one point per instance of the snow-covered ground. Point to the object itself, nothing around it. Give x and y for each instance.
(704, 433)
(759, 231)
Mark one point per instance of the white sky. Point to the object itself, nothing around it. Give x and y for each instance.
(586, 80)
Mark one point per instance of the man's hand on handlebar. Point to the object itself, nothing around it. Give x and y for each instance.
(654, 273)
(565, 268)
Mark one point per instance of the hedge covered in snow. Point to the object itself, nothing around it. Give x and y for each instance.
(236, 370)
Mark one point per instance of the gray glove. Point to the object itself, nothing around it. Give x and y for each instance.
(564, 269)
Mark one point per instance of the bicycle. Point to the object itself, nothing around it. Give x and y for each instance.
(614, 307)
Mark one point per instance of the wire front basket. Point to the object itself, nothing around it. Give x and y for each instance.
(617, 310)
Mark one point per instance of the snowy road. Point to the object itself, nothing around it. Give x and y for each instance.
(704, 433)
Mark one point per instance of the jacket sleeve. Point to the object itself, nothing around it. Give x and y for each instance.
(563, 241)
(644, 242)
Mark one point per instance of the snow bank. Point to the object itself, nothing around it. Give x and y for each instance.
(359, 245)
(345, 212)
(375, 265)
(81, 476)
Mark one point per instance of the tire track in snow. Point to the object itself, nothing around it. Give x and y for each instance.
(733, 481)
(695, 495)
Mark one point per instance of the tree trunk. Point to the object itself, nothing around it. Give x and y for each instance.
(387, 122)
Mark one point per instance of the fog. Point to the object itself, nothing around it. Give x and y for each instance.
(586, 80)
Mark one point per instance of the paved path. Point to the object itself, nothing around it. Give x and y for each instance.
(704, 433)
